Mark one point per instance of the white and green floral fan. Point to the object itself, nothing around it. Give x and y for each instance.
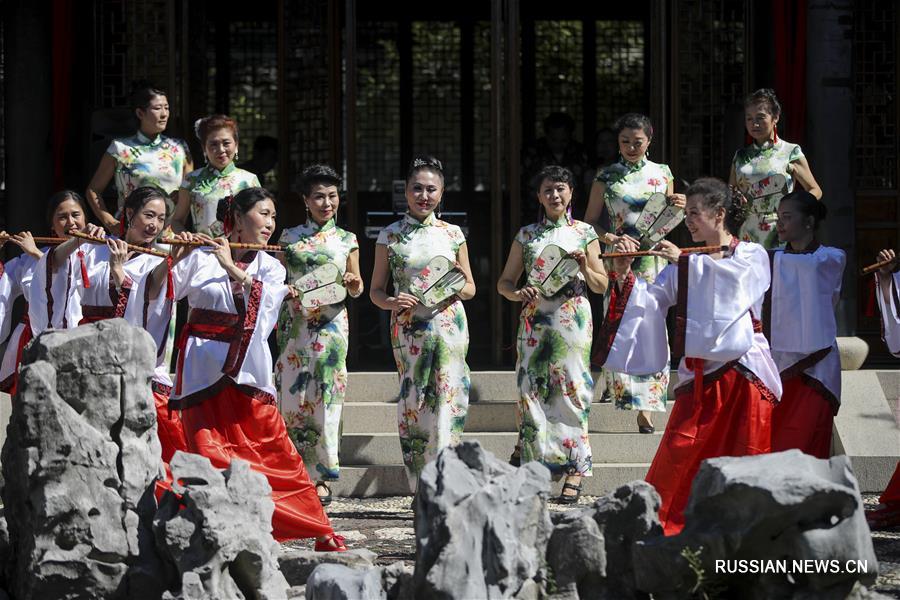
(658, 218)
(439, 280)
(552, 270)
(765, 193)
(323, 286)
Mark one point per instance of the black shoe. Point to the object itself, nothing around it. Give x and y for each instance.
(515, 459)
(326, 499)
(646, 429)
(569, 498)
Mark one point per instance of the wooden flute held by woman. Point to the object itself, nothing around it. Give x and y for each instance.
(132, 247)
(236, 246)
(880, 264)
(697, 250)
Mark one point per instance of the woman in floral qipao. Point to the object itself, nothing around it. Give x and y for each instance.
(311, 372)
(554, 340)
(621, 190)
(430, 344)
(148, 158)
(767, 155)
(202, 189)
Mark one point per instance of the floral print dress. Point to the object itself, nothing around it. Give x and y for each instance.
(752, 164)
(628, 187)
(430, 344)
(553, 367)
(206, 186)
(311, 371)
(141, 161)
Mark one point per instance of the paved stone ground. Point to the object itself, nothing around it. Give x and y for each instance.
(385, 526)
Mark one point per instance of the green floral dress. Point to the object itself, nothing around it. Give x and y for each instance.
(628, 186)
(206, 186)
(311, 370)
(752, 164)
(430, 344)
(141, 161)
(553, 368)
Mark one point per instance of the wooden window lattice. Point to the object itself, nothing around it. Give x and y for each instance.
(874, 90)
(711, 67)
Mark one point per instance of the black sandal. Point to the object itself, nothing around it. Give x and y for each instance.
(570, 498)
(325, 500)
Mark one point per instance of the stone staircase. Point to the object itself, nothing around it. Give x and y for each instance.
(371, 462)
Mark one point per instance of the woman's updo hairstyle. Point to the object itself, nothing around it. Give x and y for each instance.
(242, 203)
(139, 197)
(425, 162)
(807, 204)
(60, 197)
(318, 175)
(554, 173)
(634, 121)
(203, 127)
(143, 93)
(717, 194)
(764, 96)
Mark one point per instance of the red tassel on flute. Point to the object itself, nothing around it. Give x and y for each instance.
(170, 281)
(84, 273)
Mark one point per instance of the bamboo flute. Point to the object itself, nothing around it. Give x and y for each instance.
(697, 250)
(236, 246)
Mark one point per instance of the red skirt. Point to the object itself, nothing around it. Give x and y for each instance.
(892, 494)
(169, 428)
(803, 420)
(231, 425)
(732, 419)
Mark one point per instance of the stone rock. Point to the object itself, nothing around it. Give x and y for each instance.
(590, 550)
(784, 506)
(397, 580)
(576, 556)
(218, 535)
(339, 582)
(482, 526)
(297, 564)
(79, 464)
(853, 352)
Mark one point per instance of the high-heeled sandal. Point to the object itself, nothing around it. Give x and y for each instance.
(570, 498)
(332, 543)
(326, 499)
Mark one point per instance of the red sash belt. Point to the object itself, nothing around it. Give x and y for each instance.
(235, 329)
(697, 365)
(91, 313)
(26, 336)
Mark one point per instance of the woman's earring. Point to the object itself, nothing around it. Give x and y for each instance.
(308, 214)
(439, 210)
(235, 159)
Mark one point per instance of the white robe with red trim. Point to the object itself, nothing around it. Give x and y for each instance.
(204, 282)
(887, 295)
(54, 303)
(18, 274)
(723, 298)
(805, 290)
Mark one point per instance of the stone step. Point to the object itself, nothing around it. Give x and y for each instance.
(381, 417)
(391, 480)
(367, 449)
(487, 386)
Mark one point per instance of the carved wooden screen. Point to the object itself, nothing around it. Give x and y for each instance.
(711, 79)
(875, 151)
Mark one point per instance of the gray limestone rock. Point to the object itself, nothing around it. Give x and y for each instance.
(590, 551)
(774, 507)
(79, 465)
(482, 526)
(331, 581)
(218, 535)
(396, 580)
(298, 564)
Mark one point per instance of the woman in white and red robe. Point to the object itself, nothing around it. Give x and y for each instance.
(113, 286)
(224, 385)
(728, 382)
(888, 298)
(798, 321)
(66, 210)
